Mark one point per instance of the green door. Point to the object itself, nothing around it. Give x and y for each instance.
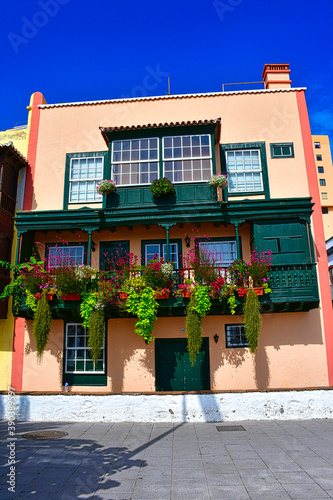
(173, 368)
(111, 252)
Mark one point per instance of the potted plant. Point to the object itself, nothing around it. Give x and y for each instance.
(162, 294)
(106, 186)
(158, 273)
(258, 268)
(218, 180)
(162, 187)
(185, 289)
(71, 281)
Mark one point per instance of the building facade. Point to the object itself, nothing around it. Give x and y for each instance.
(261, 139)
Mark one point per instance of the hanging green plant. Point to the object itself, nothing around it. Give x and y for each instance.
(197, 309)
(193, 330)
(252, 320)
(88, 304)
(96, 333)
(42, 324)
(31, 301)
(144, 306)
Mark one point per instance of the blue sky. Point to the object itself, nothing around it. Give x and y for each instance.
(75, 50)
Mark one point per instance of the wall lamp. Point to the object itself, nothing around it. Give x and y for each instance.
(188, 241)
(216, 338)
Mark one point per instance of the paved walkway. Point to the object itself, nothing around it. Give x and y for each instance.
(266, 461)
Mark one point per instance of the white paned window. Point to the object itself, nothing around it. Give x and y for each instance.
(187, 158)
(77, 355)
(222, 253)
(134, 161)
(84, 175)
(158, 250)
(244, 171)
(65, 256)
(235, 336)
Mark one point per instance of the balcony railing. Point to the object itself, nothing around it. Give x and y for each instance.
(7, 203)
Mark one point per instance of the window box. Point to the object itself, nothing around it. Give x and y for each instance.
(186, 294)
(71, 296)
(123, 295)
(164, 294)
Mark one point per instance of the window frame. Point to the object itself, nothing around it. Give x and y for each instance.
(243, 345)
(166, 132)
(319, 157)
(324, 210)
(65, 245)
(162, 242)
(263, 159)
(321, 170)
(324, 195)
(317, 145)
(84, 378)
(322, 182)
(282, 145)
(222, 239)
(78, 156)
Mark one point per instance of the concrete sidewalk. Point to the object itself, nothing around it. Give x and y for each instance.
(265, 461)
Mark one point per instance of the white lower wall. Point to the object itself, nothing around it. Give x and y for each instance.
(173, 408)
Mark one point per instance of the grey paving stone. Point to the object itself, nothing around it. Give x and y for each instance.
(229, 493)
(309, 491)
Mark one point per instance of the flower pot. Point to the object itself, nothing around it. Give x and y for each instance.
(71, 296)
(50, 296)
(162, 295)
(186, 294)
(259, 290)
(123, 295)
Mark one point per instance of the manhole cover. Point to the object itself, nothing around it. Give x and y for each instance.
(45, 435)
(222, 428)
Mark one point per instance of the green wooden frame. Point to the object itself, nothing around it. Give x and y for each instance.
(282, 144)
(69, 156)
(210, 129)
(97, 379)
(224, 238)
(263, 158)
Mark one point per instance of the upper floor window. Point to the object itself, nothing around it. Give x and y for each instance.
(158, 249)
(317, 145)
(187, 158)
(282, 150)
(244, 171)
(183, 158)
(320, 170)
(319, 157)
(222, 253)
(71, 254)
(135, 161)
(84, 175)
(324, 195)
(322, 182)
(324, 210)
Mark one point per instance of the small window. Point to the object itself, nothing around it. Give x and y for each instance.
(319, 157)
(282, 150)
(65, 255)
(223, 253)
(317, 145)
(324, 210)
(158, 249)
(84, 175)
(235, 336)
(322, 182)
(324, 196)
(320, 170)
(244, 171)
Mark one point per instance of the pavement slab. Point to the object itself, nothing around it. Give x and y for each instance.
(129, 461)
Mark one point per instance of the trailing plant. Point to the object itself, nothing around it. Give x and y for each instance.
(158, 273)
(31, 301)
(42, 324)
(96, 333)
(137, 283)
(202, 300)
(88, 304)
(193, 329)
(228, 291)
(143, 304)
(252, 320)
(162, 187)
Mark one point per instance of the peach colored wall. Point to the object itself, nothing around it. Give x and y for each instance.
(326, 162)
(266, 116)
(289, 344)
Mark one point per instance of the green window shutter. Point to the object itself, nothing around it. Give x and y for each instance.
(288, 241)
